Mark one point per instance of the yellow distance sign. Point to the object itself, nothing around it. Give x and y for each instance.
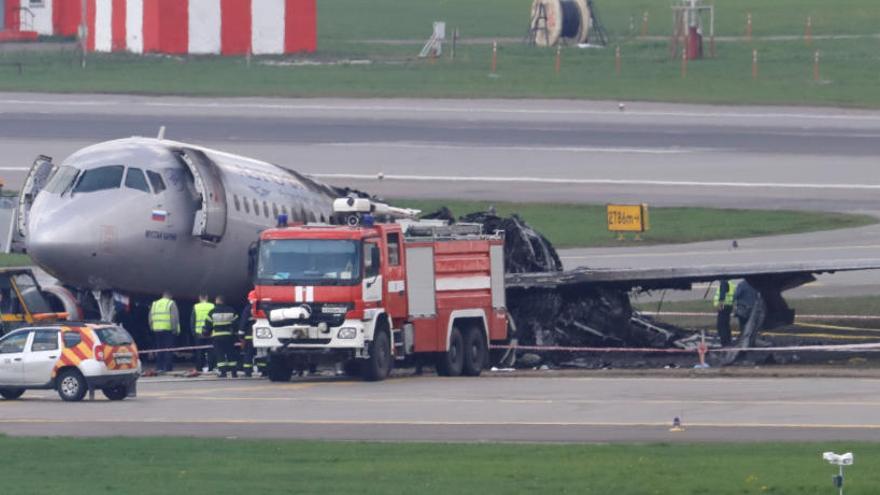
(627, 218)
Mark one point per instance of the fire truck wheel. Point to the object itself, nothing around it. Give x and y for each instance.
(352, 367)
(115, 393)
(378, 365)
(279, 370)
(451, 362)
(474, 351)
(11, 393)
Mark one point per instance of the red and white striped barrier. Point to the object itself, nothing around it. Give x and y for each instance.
(227, 27)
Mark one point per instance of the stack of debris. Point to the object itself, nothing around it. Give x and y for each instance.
(583, 317)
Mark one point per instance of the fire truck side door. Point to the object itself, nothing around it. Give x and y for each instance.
(395, 276)
(372, 281)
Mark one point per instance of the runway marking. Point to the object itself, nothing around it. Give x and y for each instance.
(482, 110)
(730, 252)
(434, 400)
(295, 386)
(567, 149)
(330, 422)
(602, 182)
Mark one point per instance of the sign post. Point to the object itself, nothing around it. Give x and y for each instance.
(627, 218)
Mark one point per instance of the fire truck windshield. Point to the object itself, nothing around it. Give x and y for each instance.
(309, 262)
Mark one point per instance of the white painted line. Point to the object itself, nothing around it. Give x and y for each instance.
(729, 252)
(567, 149)
(481, 110)
(14, 169)
(606, 182)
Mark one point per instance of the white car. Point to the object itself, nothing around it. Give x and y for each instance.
(72, 358)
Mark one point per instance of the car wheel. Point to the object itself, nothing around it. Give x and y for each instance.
(11, 393)
(115, 393)
(474, 351)
(378, 365)
(72, 387)
(451, 362)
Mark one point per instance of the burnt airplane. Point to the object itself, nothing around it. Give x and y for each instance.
(121, 221)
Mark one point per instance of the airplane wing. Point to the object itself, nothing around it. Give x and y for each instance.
(781, 275)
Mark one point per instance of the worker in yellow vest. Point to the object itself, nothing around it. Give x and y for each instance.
(165, 325)
(204, 358)
(723, 301)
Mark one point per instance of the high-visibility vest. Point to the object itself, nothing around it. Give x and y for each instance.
(201, 311)
(221, 322)
(160, 315)
(728, 298)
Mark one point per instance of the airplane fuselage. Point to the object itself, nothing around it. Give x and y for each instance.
(140, 216)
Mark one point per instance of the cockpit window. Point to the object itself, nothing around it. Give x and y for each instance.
(62, 180)
(134, 179)
(156, 181)
(99, 179)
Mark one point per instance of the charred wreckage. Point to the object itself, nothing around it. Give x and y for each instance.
(588, 308)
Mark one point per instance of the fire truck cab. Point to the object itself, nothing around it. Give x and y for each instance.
(368, 294)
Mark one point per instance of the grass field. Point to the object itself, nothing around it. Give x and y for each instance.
(849, 70)
(579, 225)
(215, 467)
(9, 260)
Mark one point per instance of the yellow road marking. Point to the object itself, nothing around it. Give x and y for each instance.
(331, 422)
(432, 400)
(837, 327)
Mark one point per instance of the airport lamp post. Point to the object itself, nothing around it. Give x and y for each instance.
(838, 460)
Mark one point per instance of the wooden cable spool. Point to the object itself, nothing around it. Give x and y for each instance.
(553, 21)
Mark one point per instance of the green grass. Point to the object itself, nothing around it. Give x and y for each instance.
(850, 68)
(11, 260)
(215, 467)
(579, 225)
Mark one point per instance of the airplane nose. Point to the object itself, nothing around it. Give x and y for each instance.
(51, 237)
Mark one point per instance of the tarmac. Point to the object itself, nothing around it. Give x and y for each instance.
(524, 407)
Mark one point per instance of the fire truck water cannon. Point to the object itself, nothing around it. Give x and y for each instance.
(369, 295)
(354, 211)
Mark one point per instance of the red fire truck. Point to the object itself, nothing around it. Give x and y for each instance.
(368, 293)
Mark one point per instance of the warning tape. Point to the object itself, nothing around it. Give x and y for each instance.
(804, 317)
(180, 349)
(873, 347)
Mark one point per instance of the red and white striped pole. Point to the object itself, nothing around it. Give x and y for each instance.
(808, 31)
(494, 56)
(617, 60)
(816, 66)
(749, 26)
(558, 58)
(754, 64)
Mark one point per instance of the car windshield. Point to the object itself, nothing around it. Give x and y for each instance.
(113, 336)
(61, 180)
(99, 179)
(309, 262)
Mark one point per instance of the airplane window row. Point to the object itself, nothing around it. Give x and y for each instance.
(103, 178)
(295, 215)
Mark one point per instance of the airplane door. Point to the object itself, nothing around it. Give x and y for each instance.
(41, 356)
(36, 180)
(12, 358)
(210, 220)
